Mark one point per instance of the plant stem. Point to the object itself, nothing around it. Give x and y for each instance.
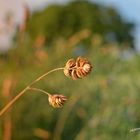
(40, 90)
(42, 76)
(13, 101)
(25, 89)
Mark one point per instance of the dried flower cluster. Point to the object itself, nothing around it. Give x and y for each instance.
(78, 68)
(56, 100)
(75, 69)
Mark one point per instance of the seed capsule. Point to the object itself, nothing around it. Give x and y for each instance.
(78, 68)
(56, 100)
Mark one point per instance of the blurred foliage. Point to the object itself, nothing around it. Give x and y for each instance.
(58, 21)
(103, 106)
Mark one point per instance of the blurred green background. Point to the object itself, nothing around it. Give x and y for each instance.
(102, 106)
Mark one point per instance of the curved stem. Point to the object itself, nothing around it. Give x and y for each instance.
(40, 90)
(24, 90)
(42, 76)
(13, 101)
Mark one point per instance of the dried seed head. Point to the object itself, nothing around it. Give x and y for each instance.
(56, 100)
(78, 68)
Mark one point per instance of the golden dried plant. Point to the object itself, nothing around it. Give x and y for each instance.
(75, 69)
(78, 68)
(56, 100)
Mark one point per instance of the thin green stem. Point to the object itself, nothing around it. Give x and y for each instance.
(4, 109)
(40, 90)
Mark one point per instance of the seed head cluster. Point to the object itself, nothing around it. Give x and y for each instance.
(75, 69)
(78, 68)
(56, 100)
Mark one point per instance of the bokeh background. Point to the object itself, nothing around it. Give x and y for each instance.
(37, 36)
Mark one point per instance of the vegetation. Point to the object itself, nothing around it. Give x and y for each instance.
(103, 106)
(58, 21)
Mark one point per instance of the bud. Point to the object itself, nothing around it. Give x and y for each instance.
(78, 68)
(56, 100)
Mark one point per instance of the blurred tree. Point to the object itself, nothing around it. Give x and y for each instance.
(58, 21)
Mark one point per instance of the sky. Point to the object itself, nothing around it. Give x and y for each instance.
(129, 9)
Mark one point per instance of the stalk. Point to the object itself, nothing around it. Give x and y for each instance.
(17, 97)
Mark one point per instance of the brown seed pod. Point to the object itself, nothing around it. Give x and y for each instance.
(56, 100)
(68, 67)
(78, 68)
